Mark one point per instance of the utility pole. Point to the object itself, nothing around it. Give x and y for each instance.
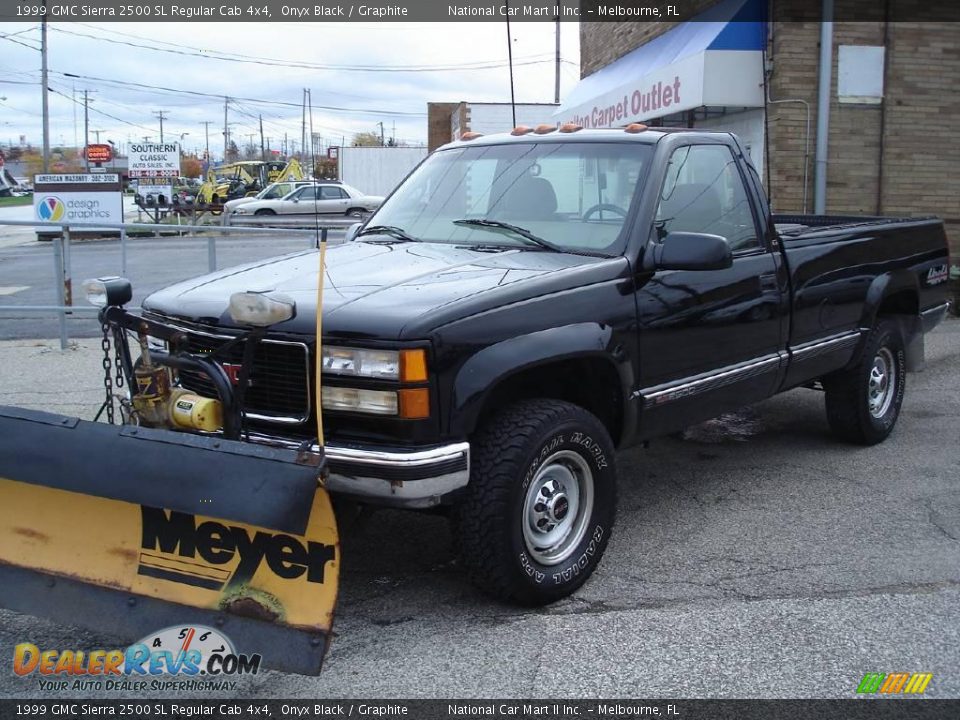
(263, 151)
(86, 125)
(97, 133)
(556, 86)
(160, 114)
(44, 91)
(313, 157)
(303, 124)
(381, 133)
(206, 132)
(513, 102)
(226, 128)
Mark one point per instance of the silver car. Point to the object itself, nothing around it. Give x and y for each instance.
(273, 191)
(321, 199)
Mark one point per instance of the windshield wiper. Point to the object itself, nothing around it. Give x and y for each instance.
(391, 230)
(516, 229)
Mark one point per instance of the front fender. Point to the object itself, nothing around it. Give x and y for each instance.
(480, 375)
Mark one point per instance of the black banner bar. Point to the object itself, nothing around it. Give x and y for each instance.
(67, 11)
(854, 709)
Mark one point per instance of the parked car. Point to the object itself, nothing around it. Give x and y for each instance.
(324, 198)
(273, 191)
(524, 306)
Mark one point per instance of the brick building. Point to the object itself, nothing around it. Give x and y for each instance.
(894, 121)
(447, 121)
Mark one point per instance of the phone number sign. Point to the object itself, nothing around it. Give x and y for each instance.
(154, 160)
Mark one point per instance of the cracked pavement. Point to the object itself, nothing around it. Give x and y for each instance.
(754, 557)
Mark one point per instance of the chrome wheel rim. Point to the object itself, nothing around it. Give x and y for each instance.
(557, 507)
(881, 383)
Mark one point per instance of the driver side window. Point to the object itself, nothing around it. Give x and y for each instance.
(704, 192)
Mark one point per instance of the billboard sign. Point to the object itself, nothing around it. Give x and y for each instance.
(99, 153)
(78, 198)
(154, 160)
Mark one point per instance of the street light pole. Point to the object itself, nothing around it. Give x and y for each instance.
(513, 103)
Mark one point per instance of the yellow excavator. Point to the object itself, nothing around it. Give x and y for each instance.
(166, 518)
(245, 178)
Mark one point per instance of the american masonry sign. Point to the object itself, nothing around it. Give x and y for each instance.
(78, 198)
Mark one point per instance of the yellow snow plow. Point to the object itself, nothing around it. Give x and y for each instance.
(170, 517)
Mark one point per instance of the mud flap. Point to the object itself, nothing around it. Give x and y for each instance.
(129, 530)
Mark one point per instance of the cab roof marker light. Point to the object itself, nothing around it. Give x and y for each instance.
(570, 127)
(635, 128)
(544, 129)
(521, 130)
(471, 135)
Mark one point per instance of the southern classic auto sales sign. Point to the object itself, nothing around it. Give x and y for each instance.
(154, 160)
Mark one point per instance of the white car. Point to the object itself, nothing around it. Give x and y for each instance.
(273, 191)
(332, 198)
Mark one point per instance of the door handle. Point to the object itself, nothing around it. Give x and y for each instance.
(768, 281)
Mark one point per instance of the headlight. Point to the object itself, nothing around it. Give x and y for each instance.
(376, 402)
(261, 309)
(405, 365)
(112, 291)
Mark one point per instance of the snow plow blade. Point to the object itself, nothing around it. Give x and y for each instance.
(128, 530)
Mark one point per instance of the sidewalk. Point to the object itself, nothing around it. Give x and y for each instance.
(37, 374)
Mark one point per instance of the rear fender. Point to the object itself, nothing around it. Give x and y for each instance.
(885, 286)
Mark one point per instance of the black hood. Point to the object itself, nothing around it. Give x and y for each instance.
(390, 291)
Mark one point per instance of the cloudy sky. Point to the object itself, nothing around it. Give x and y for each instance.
(114, 58)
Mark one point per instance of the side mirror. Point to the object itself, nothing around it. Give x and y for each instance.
(690, 251)
(352, 232)
(296, 199)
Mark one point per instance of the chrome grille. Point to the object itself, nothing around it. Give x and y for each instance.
(279, 379)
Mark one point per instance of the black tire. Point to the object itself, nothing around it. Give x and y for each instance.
(552, 445)
(862, 404)
(265, 211)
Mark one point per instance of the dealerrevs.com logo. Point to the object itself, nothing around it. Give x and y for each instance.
(187, 651)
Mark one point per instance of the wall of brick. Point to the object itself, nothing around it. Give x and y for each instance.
(438, 123)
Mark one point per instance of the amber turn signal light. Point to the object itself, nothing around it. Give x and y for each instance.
(413, 365)
(635, 128)
(414, 403)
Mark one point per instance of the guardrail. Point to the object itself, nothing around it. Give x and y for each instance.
(61, 240)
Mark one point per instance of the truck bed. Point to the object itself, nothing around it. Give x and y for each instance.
(797, 227)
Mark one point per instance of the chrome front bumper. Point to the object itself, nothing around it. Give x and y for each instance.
(396, 477)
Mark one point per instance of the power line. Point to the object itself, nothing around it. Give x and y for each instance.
(277, 103)
(275, 62)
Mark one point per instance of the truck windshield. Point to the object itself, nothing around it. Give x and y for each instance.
(575, 196)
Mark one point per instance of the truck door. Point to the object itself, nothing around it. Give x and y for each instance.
(709, 340)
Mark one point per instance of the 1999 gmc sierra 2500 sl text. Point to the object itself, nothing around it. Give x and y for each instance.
(525, 304)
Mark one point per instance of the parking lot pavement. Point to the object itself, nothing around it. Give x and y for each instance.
(755, 557)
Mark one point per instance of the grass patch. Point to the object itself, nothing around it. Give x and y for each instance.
(15, 201)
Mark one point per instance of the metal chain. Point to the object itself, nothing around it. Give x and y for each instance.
(118, 364)
(107, 378)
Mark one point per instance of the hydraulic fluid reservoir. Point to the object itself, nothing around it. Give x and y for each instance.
(193, 412)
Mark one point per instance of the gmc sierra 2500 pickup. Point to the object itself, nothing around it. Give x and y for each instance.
(524, 305)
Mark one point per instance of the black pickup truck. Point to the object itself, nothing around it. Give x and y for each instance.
(526, 304)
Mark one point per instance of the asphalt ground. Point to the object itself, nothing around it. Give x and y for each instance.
(754, 557)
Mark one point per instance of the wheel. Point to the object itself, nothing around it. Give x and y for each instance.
(356, 212)
(265, 211)
(863, 402)
(540, 504)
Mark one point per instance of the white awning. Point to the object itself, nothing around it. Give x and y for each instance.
(709, 62)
